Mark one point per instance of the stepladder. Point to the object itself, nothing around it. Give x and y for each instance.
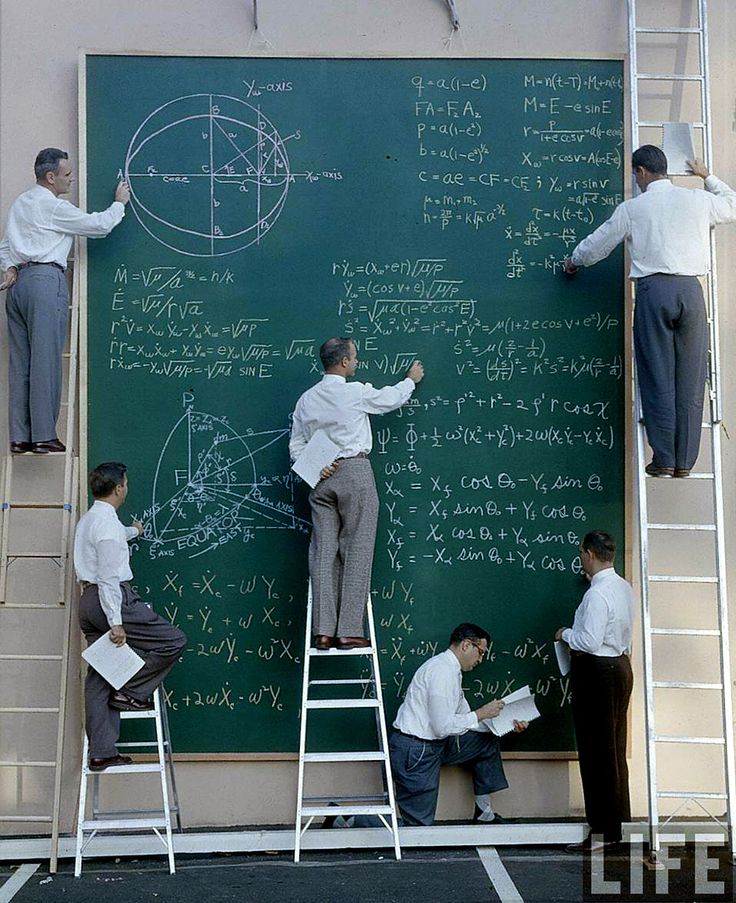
(340, 694)
(93, 819)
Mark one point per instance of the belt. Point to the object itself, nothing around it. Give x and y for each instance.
(85, 584)
(40, 263)
(350, 457)
(418, 739)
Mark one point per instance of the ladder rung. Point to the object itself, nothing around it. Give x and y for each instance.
(672, 29)
(361, 650)
(357, 680)
(142, 768)
(684, 685)
(146, 713)
(691, 795)
(683, 631)
(342, 703)
(659, 738)
(306, 811)
(43, 505)
(710, 528)
(14, 657)
(119, 813)
(668, 77)
(27, 710)
(666, 578)
(55, 555)
(43, 818)
(53, 606)
(122, 824)
(339, 800)
(372, 756)
(655, 124)
(11, 764)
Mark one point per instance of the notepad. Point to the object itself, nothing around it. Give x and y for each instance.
(117, 664)
(318, 453)
(678, 147)
(518, 706)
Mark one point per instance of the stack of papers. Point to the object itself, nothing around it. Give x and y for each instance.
(318, 453)
(518, 706)
(117, 664)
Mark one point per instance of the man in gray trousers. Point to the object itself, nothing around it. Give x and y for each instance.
(108, 603)
(344, 503)
(667, 232)
(33, 255)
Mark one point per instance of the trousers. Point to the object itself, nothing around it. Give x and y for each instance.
(671, 348)
(37, 308)
(344, 521)
(601, 689)
(416, 765)
(159, 644)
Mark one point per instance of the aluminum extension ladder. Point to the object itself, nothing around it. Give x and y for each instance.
(707, 644)
(156, 820)
(384, 806)
(52, 638)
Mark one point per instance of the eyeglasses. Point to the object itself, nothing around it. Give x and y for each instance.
(480, 649)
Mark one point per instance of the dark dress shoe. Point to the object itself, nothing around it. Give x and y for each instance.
(42, 448)
(593, 846)
(496, 820)
(322, 641)
(654, 470)
(352, 642)
(124, 703)
(102, 764)
(681, 473)
(20, 448)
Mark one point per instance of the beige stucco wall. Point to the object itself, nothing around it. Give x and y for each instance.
(38, 107)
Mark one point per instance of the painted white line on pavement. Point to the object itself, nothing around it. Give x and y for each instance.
(17, 880)
(500, 878)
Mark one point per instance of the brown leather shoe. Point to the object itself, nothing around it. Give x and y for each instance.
(124, 703)
(654, 470)
(20, 448)
(352, 642)
(681, 473)
(111, 762)
(53, 445)
(322, 641)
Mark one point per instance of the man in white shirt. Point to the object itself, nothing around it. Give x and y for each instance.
(435, 726)
(33, 255)
(601, 682)
(101, 560)
(344, 503)
(667, 231)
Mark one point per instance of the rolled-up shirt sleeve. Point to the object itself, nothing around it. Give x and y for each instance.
(71, 220)
(606, 237)
(444, 718)
(389, 398)
(108, 580)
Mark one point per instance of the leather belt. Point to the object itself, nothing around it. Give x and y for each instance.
(350, 457)
(40, 263)
(418, 739)
(85, 584)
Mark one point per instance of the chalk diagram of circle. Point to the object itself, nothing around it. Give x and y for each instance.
(208, 175)
(213, 485)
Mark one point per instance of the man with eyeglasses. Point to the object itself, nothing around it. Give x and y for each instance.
(435, 726)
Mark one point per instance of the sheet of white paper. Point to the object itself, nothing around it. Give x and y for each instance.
(678, 147)
(117, 664)
(562, 651)
(518, 706)
(318, 453)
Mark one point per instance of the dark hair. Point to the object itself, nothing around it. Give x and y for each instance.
(334, 350)
(650, 158)
(47, 161)
(601, 544)
(468, 632)
(105, 477)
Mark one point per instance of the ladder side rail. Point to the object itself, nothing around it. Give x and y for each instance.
(176, 809)
(725, 662)
(64, 680)
(303, 727)
(169, 843)
(5, 525)
(81, 810)
(633, 76)
(381, 717)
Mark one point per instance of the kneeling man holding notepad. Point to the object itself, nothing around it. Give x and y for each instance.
(109, 607)
(435, 726)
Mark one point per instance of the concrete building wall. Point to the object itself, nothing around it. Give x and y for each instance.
(39, 48)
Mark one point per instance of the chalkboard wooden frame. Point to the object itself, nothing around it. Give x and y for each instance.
(82, 273)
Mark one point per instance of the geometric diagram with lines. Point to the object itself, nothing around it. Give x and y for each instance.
(214, 485)
(208, 174)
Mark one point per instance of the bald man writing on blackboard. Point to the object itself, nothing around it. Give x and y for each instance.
(344, 503)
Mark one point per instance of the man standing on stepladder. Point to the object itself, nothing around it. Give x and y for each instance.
(344, 503)
(667, 232)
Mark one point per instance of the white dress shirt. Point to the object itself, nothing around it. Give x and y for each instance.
(41, 227)
(341, 409)
(101, 556)
(435, 706)
(604, 618)
(666, 228)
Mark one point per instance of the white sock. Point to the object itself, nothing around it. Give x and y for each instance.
(483, 802)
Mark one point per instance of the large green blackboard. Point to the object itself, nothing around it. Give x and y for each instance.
(421, 206)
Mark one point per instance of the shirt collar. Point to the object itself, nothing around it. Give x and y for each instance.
(331, 377)
(659, 185)
(602, 575)
(105, 508)
(454, 659)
